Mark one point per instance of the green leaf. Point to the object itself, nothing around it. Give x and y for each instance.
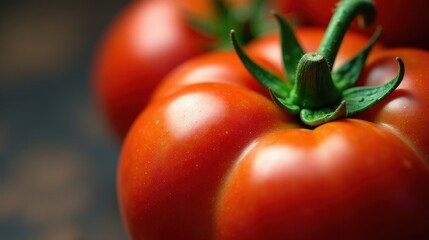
(291, 49)
(348, 74)
(323, 115)
(266, 78)
(359, 99)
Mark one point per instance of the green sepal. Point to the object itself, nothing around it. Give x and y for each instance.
(285, 104)
(257, 24)
(269, 80)
(348, 74)
(203, 25)
(323, 115)
(291, 49)
(359, 99)
(221, 9)
(247, 20)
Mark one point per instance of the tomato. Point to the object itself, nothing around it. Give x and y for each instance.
(136, 53)
(146, 41)
(213, 157)
(336, 182)
(402, 21)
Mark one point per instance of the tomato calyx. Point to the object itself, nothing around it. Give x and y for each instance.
(313, 90)
(247, 20)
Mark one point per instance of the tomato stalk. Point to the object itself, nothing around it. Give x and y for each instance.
(346, 12)
(313, 90)
(314, 87)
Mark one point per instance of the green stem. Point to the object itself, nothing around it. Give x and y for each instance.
(314, 87)
(346, 11)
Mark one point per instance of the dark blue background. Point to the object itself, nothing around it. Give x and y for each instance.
(57, 155)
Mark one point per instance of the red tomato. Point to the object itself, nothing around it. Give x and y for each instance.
(403, 21)
(212, 157)
(136, 53)
(146, 41)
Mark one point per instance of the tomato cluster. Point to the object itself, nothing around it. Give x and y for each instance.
(303, 133)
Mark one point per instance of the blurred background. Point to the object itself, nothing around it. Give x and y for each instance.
(57, 156)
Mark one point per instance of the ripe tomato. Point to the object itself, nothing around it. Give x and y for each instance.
(213, 157)
(402, 21)
(136, 53)
(146, 41)
(176, 160)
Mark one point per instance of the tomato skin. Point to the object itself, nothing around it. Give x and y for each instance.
(402, 21)
(182, 171)
(176, 155)
(136, 53)
(405, 111)
(326, 184)
(217, 67)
